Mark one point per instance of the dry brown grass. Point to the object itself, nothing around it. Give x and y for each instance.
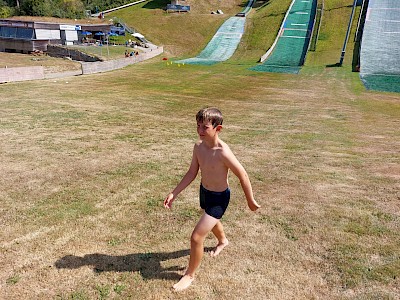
(85, 166)
(86, 162)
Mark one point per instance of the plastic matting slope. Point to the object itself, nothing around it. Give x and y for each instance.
(290, 48)
(224, 43)
(380, 46)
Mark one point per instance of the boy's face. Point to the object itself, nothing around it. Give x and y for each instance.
(206, 130)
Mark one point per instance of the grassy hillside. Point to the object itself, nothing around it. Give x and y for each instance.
(186, 34)
(87, 161)
(336, 16)
(262, 26)
(181, 34)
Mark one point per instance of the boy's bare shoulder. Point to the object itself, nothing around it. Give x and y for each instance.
(197, 147)
(224, 146)
(226, 152)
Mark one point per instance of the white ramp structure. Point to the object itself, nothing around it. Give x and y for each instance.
(225, 41)
(380, 46)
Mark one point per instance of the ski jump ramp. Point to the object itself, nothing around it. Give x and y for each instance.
(225, 41)
(288, 52)
(380, 46)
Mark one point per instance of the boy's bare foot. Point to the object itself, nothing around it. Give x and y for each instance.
(218, 249)
(184, 283)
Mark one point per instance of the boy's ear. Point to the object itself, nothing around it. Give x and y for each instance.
(219, 128)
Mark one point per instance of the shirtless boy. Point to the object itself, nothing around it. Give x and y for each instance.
(214, 159)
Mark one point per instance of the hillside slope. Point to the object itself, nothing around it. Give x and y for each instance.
(179, 33)
(186, 34)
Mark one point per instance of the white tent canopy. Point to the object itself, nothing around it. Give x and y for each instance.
(138, 35)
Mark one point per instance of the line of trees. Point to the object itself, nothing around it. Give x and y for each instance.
(55, 8)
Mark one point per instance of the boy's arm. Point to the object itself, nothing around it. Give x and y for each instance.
(237, 169)
(186, 180)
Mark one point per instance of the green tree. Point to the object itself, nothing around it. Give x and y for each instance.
(5, 10)
(73, 8)
(55, 8)
(36, 7)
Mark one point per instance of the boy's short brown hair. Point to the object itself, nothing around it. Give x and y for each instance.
(210, 114)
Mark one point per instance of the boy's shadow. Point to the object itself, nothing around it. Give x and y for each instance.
(147, 264)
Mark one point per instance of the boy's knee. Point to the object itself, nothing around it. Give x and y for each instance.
(196, 238)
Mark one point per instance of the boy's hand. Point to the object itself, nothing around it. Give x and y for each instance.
(253, 205)
(168, 200)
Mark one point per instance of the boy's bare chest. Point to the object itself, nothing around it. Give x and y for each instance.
(210, 160)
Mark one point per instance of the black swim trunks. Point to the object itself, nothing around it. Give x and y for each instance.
(214, 203)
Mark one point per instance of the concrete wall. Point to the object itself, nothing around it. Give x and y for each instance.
(59, 51)
(35, 73)
(104, 66)
(21, 74)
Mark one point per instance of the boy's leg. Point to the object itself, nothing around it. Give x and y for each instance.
(203, 227)
(218, 231)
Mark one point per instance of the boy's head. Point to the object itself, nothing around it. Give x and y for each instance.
(210, 114)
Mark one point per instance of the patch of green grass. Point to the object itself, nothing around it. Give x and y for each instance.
(75, 209)
(383, 216)
(364, 226)
(323, 36)
(373, 107)
(376, 295)
(351, 267)
(76, 295)
(65, 115)
(116, 241)
(290, 229)
(119, 288)
(355, 269)
(152, 202)
(63, 206)
(13, 279)
(105, 52)
(188, 213)
(129, 137)
(103, 291)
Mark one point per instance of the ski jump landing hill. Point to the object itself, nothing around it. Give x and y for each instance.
(380, 46)
(224, 42)
(288, 52)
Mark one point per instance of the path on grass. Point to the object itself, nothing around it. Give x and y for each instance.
(289, 50)
(224, 42)
(117, 8)
(380, 46)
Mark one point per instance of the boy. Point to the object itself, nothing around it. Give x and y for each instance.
(214, 159)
